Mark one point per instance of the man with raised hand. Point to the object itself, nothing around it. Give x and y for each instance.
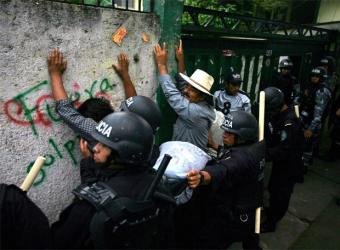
(194, 105)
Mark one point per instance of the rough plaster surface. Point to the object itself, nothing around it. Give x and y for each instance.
(28, 31)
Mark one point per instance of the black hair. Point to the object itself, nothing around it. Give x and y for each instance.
(95, 108)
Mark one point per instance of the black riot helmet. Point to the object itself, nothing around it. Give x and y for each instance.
(144, 107)
(128, 135)
(274, 100)
(319, 72)
(243, 124)
(286, 64)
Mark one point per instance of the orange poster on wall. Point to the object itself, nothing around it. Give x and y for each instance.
(119, 35)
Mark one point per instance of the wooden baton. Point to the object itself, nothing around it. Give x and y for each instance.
(39, 162)
(297, 112)
(261, 137)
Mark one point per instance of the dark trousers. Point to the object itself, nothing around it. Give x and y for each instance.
(220, 232)
(189, 218)
(280, 190)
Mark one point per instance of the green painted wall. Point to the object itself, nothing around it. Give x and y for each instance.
(170, 12)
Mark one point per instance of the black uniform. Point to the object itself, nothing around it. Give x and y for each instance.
(22, 224)
(236, 191)
(284, 149)
(73, 228)
(288, 85)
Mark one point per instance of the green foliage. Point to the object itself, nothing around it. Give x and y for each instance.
(273, 9)
(207, 4)
(211, 4)
(269, 5)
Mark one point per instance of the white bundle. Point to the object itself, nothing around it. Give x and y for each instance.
(185, 157)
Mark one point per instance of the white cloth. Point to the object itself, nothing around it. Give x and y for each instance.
(185, 157)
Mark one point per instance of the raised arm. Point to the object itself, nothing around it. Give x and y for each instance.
(180, 58)
(56, 67)
(161, 59)
(122, 70)
(77, 122)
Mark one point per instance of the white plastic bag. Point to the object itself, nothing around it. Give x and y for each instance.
(185, 157)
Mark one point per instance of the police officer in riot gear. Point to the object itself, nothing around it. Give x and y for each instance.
(237, 173)
(232, 98)
(284, 143)
(124, 146)
(314, 108)
(286, 82)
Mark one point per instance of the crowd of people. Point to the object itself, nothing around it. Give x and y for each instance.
(122, 201)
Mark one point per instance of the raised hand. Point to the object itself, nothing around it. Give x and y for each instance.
(179, 51)
(56, 62)
(180, 57)
(122, 68)
(56, 66)
(161, 58)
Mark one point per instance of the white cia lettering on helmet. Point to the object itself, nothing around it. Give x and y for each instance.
(104, 128)
(228, 123)
(129, 101)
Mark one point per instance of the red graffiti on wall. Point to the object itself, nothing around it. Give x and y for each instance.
(19, 111)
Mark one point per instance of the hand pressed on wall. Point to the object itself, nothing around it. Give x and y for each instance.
(122, 68)
(56, 67)
(56, 63)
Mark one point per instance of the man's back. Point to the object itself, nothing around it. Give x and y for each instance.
(285, 144)
(238, 172)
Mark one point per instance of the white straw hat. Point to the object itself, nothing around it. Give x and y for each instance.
(200, 80)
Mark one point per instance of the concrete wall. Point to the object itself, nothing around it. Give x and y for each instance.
(29, 124)
(329, 11)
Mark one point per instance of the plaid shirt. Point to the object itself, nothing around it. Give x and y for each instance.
(78, 123)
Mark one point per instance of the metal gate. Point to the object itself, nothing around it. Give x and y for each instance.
(218, 42)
